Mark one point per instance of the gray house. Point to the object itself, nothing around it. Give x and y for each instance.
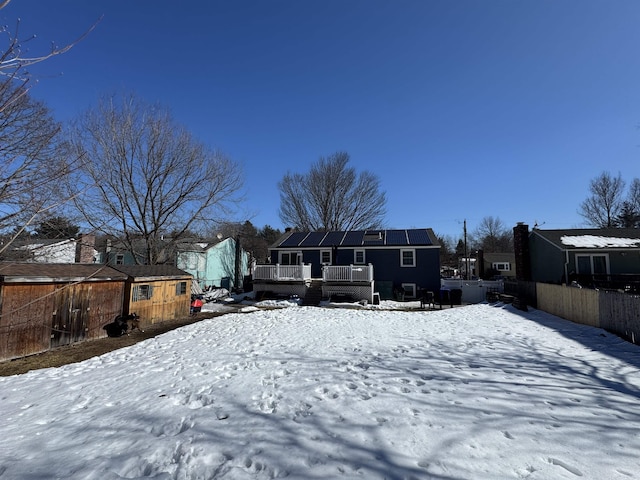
(602, 258)
(388, 263)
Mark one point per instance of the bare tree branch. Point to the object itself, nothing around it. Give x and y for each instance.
(332, 197)
(14, 61)
(602, 207)
(493, 236)
(32, 162)
(153, 181)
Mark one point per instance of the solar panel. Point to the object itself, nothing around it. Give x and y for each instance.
(353, 238)
(397, 237)
(419, 237)
(332, 238)
(313, 239)
(294, 239)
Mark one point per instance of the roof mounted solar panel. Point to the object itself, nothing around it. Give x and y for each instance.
(294, 239)
(314, 239)
(332, 239)
(397, 237)
(419, 237)
(353, 238)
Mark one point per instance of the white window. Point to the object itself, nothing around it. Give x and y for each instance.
(359, 257)
(142, 292)
(502, 266)
(409, 290)
(290, 258)
(120, 259)
(325, 257)
(407, 257)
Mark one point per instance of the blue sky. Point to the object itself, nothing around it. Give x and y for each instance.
(464, 109)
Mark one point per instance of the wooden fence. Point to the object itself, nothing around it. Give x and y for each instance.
(615, 312)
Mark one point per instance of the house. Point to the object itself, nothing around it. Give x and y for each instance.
(602, 258)
(43, 250)
(156, 292)
(353, 263)
(116, 252)
(504, 263)
(43, 306)
(223, 263)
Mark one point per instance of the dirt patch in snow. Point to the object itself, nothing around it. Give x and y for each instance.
(78, 352)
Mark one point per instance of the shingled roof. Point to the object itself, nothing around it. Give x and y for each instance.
(591, 238)
(13, 272)
(152, 271)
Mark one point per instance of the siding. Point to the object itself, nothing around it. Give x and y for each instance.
(36, 317)
(164, 303)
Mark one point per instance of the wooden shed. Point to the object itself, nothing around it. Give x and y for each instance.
(43, 306)
(156, 292)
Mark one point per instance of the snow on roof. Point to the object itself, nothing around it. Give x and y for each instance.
(595, 241)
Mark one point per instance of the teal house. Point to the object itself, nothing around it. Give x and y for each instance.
(222, 263)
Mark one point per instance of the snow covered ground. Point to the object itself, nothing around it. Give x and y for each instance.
(475, 392)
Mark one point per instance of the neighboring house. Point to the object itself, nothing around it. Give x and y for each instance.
(43, 306)
(218, 264)
(356, 263)
(116, 252)
(41, 250)
(503, 263)
(156, 292)
(604, 258)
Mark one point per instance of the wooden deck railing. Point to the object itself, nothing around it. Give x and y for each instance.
(330, 273)
(279, 272)
(347, 273)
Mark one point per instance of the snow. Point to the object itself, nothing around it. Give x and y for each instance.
(474, 392)
(595, 241)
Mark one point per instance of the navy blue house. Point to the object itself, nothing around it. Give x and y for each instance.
(389, 261)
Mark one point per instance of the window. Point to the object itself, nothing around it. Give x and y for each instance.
(142, 292)
(409, 290)
(359, 257)
(502, 266)
(325, 257)
(592, 264)
(407, 258)
(290, 258)
(181, 288)
(120, 259)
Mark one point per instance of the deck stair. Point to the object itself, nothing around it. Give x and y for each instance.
(313, 295)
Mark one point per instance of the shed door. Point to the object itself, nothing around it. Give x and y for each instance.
(68, 321)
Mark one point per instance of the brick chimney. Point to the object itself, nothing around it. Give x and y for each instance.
(521, 250)
(84, 248)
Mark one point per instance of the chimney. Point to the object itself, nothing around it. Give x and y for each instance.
(85, 248)
(521, 250)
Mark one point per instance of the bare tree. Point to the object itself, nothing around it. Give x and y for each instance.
(602, 207)
(31, 162)
(629, 214)
(332, 196)
(148, 181)
(633, 195)
(492, 236)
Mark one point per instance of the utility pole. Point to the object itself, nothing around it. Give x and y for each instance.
(466, 254)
